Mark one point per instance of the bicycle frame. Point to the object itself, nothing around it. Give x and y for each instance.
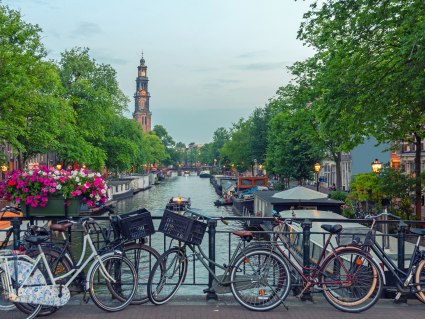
(78, 268)
(206, 261)
(402, 277)
(309, 275)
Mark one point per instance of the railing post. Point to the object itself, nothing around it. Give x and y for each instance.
(212, 226)
(16, 224)
(401, 235)
(306, 225)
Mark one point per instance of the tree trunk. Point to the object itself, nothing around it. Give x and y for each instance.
(337, 159)
(418, 186)
(338, 171)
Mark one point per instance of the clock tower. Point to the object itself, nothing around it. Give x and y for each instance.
(142, 113)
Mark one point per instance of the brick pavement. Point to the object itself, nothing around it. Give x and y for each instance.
(198, 308)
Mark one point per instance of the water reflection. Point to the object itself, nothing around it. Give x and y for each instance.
(202, 195)
(200, 191)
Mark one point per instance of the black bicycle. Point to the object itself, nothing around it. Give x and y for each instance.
(411, 280)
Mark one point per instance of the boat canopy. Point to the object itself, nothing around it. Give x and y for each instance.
(300, 192)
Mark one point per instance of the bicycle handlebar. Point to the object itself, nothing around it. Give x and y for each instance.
(224, 221)
(11, 209)
(383, 214)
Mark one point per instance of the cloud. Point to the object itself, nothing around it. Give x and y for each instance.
(220, 83)
(87, 29)
(260, 66)
(108, 59)
(252, 54)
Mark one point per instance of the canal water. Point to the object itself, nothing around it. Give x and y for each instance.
(202, 195)
(200, 191)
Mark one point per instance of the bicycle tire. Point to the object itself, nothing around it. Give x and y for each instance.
(5, 304)
(358, 294)
(420, 277)
(144, 258)
(260, 280)
(168, 272)
(107, 295)
(62, 266)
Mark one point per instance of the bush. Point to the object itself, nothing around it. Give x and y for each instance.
(338, 195)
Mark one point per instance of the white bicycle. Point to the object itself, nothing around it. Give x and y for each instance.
(30, 284)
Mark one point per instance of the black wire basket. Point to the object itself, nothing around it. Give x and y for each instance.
(186, 228)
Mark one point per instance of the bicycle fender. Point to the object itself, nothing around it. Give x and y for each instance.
(381, 270)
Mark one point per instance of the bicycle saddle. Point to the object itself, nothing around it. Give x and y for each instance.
(245, 235)
(333, 229)
(36, 240)
(60, 227)
(417, 231)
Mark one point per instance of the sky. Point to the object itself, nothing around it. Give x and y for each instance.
(210, 62)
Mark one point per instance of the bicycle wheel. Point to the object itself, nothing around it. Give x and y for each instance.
(5, 303)
(260, 280)
(143, 257)
(167, 275)
(420, 281)
(58, 266)
(9, 310)
(351, 280)
(106, 294)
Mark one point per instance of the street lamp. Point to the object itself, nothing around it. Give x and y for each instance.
(317, 169)
(376, 166)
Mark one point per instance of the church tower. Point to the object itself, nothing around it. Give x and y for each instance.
(141, 98)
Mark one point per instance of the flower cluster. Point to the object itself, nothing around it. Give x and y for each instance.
(33, 187)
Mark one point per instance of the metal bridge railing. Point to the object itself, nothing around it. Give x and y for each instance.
(227, 241)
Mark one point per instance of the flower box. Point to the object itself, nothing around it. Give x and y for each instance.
(42, 190)
(55, 207)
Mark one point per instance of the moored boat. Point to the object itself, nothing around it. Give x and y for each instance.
(205, 174)
(178, 204)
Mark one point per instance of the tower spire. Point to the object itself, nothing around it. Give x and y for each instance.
(142, 114)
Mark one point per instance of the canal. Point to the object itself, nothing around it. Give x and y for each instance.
(200, 191)
(202, 195)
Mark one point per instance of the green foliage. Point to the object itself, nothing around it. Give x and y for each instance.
(338, 195)
(365, 189)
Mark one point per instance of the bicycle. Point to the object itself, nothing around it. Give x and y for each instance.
(349, 277)
(258, 279)
(410, 281)
(111, 278)
(115, 237)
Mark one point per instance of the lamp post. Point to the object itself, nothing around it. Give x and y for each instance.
(3, 171)
(317, 169)
(376, 166)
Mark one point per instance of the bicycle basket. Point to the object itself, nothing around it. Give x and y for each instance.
(356, 236)
(183, 228)
(136, 224)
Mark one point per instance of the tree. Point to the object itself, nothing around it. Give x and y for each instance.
(397, 187)
(155, 150)
(124, 145)
(31, 110)
(220, 136)
(372, 57)
(93, 93)
(293, 143)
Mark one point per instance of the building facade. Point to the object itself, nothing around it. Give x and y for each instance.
(404, 157)
(142, 113)
(327, 173)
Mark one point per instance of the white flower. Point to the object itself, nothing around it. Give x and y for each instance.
(103, 191)
(58, 186)
(77, 179)
(91, 175)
